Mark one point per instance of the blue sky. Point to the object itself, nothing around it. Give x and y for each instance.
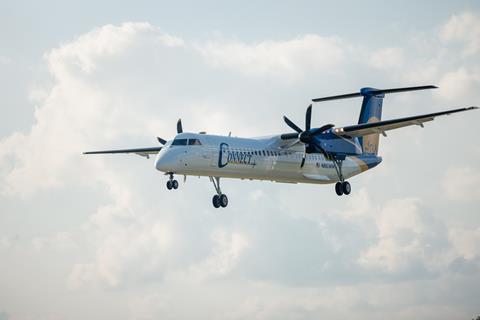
(100, 237)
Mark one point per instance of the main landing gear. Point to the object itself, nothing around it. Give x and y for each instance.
(172, 183)
(341, 187)
(220, 199)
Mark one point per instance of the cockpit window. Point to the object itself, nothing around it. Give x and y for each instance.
(179, 142)
(194, 142)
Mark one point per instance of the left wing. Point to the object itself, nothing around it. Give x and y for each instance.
(382, 126)
(144, 152)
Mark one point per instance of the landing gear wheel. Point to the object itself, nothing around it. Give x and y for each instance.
(169, 185)
(338, 188)
(346, 188)
(175, 184)
(216, 201)
(223, 200)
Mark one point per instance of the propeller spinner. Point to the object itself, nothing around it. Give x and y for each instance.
(304, 136)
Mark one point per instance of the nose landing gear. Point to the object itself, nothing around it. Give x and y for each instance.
(172, 183)
(220, 199)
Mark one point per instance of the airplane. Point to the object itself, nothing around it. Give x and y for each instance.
(323, 155)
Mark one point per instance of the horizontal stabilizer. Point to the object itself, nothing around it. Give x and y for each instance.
(373, 91)
(364, 129)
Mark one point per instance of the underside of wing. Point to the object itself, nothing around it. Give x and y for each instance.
(144, 152)
(382, 126)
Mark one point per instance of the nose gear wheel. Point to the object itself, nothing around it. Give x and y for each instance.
(172, 183)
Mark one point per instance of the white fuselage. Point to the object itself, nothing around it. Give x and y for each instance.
(256, 159)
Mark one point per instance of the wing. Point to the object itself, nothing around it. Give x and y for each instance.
(382, 126)
(144, 152)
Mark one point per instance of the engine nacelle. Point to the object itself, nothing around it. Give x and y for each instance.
(337, 145)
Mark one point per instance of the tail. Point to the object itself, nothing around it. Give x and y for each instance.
(371, 111)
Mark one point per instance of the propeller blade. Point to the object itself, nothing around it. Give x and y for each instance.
(292, 125)
(289, 136)
(308, 118)
(323, 128)
(304, 156)
(179, 126)
(162, 141)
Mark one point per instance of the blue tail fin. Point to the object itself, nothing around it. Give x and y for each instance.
(371, 112)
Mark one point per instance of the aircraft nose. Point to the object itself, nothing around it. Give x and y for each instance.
(165, 162)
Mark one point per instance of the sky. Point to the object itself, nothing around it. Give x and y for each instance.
(100, 237)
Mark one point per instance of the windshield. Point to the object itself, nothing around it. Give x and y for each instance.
(179, 142)
(184, 142)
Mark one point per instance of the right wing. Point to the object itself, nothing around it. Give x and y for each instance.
(144, 152)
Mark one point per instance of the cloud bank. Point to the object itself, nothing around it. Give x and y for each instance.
(280, 251)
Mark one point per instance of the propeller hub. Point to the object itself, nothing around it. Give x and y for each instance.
(305, 137)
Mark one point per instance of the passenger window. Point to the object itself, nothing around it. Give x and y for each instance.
(179, 142)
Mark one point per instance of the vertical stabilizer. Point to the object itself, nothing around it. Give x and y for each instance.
(371, 112)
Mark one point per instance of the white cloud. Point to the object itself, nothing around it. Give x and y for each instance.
(226, 251)
(459, 83)
(4, 60)
(60, 241)
(465, 242)
(77, 111)
(287, 59)
(462, 183)
(126, 254)
(7, 242)
(388, 58)
(463, 28)
(407, 239)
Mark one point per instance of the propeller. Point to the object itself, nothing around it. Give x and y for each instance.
(304, 136)
(179, 130)
(179, 126)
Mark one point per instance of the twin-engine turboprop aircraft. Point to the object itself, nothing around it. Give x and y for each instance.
(327, 154)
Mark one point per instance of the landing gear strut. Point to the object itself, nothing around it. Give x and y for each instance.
(341, 187)
(172, 183)
(220, 199)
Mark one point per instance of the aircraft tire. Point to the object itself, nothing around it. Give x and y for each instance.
(169, 185)
(175, 184)
(338, 188)
(346, 188)
(216, 201)
(223, 200)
